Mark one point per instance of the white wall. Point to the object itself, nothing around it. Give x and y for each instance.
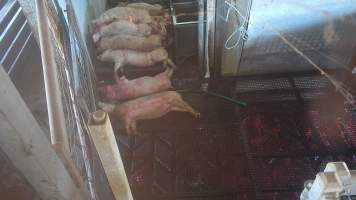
(86, 11)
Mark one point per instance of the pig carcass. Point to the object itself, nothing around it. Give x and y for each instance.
(135, 58)
(153, 9)
(128, 89)
(122, 28)
(131, 42)
(124, 13)
(148, 107)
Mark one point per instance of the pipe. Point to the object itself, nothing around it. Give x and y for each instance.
(56, 118)
(210, 37)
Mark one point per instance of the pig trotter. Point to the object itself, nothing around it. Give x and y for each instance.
(181, 105)
(131, 128)
(169, 72)
(117, 67)
(170, 63)
(106, 107)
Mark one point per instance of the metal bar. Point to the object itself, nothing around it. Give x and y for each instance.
(12, 29)
(16, 45)
(20, 53)
(201, 34)
(6, 14)
(57, 126)
(210, 37)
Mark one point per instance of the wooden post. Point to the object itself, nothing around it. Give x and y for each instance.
(27, 146)
(103, 138)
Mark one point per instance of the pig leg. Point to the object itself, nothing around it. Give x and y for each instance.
(131, 127)
(168, 72)
(169, 63)
(181, 105)
(128, 127)
(118, 66)
(109, 108)
(163, 30)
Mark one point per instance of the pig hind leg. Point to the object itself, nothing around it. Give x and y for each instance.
(170, 64)
(168, 72)
(181, 105)
(117, 67)
(130, 127)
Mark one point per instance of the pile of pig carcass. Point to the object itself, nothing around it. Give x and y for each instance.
(134, 35)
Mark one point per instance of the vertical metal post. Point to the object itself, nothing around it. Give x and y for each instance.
(210, 37)
(201, 34)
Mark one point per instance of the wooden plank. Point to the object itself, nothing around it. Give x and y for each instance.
(28, 148)
(103, 138)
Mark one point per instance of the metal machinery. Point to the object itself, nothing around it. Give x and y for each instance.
(336, 182)
(262, 52)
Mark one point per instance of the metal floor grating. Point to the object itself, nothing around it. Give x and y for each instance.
(282, 88)
(169, 165)
(264, 151)
(304, 41)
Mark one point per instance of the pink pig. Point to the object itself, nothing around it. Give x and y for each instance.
(148, 107)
